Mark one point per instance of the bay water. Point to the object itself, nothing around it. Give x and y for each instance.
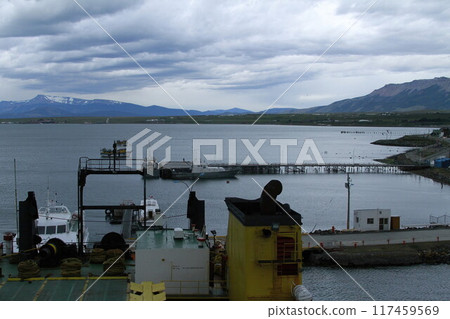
(47, 157)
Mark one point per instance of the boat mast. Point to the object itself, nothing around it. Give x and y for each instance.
(48, 192)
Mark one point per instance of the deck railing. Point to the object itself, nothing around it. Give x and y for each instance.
(111, 164)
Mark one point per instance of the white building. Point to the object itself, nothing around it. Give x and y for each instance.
(372, 219)
(175, 257)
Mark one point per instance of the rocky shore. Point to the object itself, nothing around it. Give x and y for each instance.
(426, 148)
(380, 255)
(408, 141)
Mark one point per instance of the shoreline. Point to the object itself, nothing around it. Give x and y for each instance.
(426, 148)
(429, 119)
(431, 253)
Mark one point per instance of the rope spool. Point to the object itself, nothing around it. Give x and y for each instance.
(71, 267)
(28, 269)
(98, 256)
(117, 268)
(14, 259)
(114, 253)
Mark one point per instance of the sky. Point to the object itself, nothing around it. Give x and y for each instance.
(219, 54)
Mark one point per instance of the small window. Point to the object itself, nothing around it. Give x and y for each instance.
(369, 220)
(51, 230)
(357, 219)
(61, 229)
(386, 221)
(41, 230)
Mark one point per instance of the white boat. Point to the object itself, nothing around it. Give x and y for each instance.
(56, 221)
(152, 215)
(212, 172)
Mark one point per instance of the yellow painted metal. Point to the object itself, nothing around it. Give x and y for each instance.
(254, 262)
(36, 296)
(68, 278)
(147, 291)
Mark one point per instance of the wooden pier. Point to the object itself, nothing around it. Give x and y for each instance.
(367, 168)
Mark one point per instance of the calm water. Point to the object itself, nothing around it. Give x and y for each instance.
(48, 155)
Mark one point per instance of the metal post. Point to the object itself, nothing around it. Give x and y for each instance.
(80, 219)
(348, 185)
(81, 183)
(144, 173)
(114, 154)
(15, 194)
(144, 177)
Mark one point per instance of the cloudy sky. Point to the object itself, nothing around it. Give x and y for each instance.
(219, 54)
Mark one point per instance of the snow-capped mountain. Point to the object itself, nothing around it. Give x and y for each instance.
(57, 106)
(418, 95)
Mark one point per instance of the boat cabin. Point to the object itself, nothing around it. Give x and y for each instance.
(54, 220)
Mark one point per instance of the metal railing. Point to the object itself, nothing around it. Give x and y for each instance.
(112, 165)
(440, 220)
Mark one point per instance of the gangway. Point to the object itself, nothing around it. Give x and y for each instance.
(108, 166)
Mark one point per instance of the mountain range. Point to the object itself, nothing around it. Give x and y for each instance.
(418, 95)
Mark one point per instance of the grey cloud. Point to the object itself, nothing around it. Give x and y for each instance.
(27, 18)
(233, 46)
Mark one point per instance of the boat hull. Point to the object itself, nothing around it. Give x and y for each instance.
(206, 175)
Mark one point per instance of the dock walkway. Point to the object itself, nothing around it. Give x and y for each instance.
(354, 168)
(356, 239)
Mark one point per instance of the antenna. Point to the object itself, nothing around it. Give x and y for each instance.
(48, 191)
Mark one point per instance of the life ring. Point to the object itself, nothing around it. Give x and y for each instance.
(108, 212)
(75, 216)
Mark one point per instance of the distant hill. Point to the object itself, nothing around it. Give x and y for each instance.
(56, 106)
(417, 95)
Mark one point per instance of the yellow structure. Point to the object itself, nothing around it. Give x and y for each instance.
(147, 291)
(264, 251)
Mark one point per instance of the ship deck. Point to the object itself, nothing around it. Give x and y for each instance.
(52, 286)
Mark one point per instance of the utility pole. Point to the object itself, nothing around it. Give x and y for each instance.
(348, 186)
